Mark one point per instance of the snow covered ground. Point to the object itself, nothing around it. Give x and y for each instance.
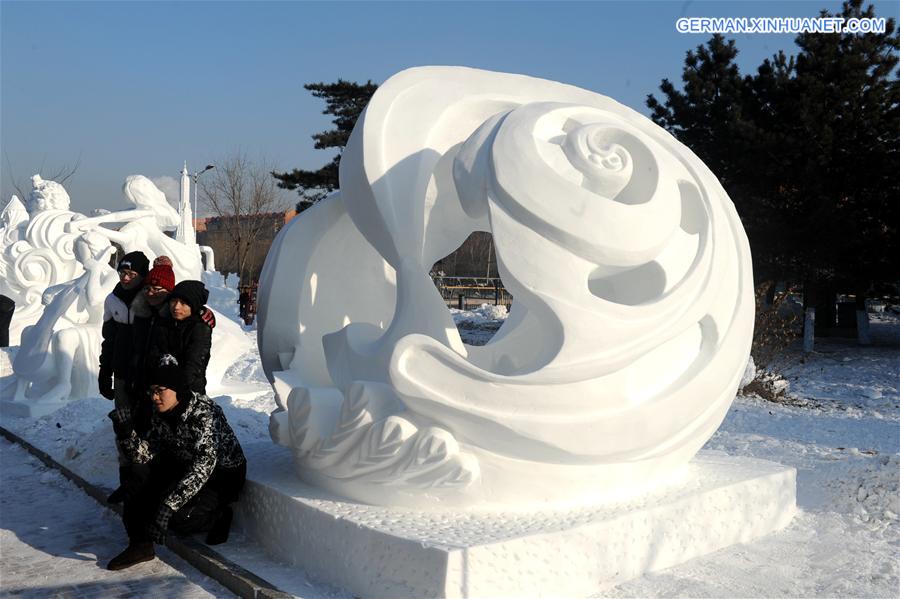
(839, 425)
(55, 542)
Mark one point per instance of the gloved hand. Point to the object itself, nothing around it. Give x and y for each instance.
(208, 317)
(105, 382)
(157, 529)
(121, 420)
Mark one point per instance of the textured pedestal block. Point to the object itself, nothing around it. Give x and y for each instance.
(32, 408)
(382, 552)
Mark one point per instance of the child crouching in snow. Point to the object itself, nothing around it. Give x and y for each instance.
(191, 467)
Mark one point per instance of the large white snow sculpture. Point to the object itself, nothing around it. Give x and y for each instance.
(627, 339)
(36, 250)
(58, 355)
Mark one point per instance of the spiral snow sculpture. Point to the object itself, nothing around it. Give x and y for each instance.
(632, 314)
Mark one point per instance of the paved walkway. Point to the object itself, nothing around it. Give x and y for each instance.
(55, 542)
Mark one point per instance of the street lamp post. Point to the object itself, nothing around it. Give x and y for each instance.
(196, 176)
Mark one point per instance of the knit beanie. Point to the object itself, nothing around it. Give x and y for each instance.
(167, 374)
(160, 275)
(135, 261)
(193, 293)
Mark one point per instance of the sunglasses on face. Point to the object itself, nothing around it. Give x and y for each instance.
(155, 290)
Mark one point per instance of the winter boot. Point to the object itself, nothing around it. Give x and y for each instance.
(135, 553)
(218, 534)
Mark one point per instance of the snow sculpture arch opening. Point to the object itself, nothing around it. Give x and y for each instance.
(633, 308)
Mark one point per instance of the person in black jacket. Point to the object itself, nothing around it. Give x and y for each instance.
(145, 309)
(193, 467)
(116, 347)
(149, 310)
(185, 335)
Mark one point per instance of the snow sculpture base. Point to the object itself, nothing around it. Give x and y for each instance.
(383, 552)
(28, 409)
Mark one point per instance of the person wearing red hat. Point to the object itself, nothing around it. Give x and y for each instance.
(151, 311)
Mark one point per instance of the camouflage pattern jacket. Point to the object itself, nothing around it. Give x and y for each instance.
(198, 435)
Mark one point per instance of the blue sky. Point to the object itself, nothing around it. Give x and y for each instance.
(140, 87)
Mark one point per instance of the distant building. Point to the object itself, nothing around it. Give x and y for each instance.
(226, 235)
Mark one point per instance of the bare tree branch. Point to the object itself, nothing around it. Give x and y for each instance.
(249, 207)
(60, 175)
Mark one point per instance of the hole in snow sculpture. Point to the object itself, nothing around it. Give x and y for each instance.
(633, 301)
(467, 278)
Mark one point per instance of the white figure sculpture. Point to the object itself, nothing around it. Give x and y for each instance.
(145, 228)
(35, 250)
(58, 357)
(632, 314)
(46, 195)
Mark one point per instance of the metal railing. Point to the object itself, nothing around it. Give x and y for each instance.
(458, 291)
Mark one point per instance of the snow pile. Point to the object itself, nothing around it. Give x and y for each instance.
(247, 368)
(843, 377)
(478, 326)
(79, 435)
(223, 300)
(869, 492)
(485, 314)
(764, 384)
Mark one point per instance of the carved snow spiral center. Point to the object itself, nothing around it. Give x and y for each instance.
(606, 165)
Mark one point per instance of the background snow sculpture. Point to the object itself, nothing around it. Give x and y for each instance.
(632, 314)
(36, 250)
(145, 227)
(58, 357)
(55, 265)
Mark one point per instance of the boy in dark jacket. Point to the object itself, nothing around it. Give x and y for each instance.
(116, 347)
(185, 335)
(193, 467)
(115, 350)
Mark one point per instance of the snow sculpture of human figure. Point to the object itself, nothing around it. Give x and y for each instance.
(35, 249)
(145, 227)
(13, 221)
(58, 356)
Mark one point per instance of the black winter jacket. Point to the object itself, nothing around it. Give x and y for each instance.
(190, 341)
(194, 433)
(117, 347)
(146, 320)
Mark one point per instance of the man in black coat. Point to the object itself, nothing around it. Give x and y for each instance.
(192, 467)
(115, 375)
(115, 349)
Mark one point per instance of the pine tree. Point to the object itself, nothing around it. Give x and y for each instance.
(809, 153)
(849, 125)
(345, 100)
(710, 107)
(808, 150)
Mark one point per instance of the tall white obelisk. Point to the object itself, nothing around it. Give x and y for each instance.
(185, 231)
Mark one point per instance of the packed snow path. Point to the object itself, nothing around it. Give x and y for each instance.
(56, 541)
